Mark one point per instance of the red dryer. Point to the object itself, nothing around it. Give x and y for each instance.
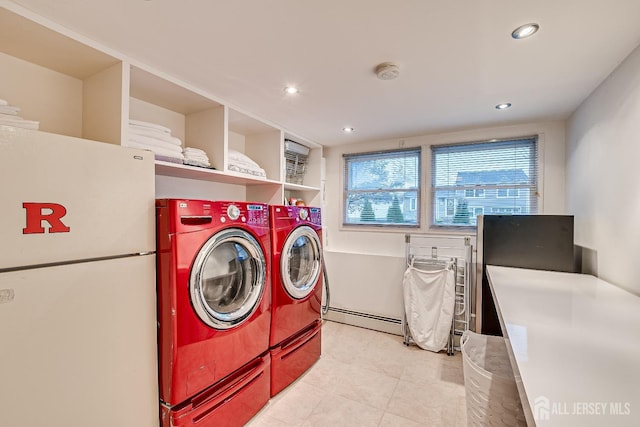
(296, 237)
(214, 292)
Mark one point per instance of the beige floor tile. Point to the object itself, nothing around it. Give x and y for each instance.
(369, 378)
(336, 410)
(264, 420)
(391, 420)
(327, 374)
(295, 403)
(385, 354)
(365, 386)
(429, 403)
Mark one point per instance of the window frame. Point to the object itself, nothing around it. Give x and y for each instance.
(419, 190)
(535, 184)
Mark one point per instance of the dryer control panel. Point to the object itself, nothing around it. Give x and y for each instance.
(258, 214)
(315, 216)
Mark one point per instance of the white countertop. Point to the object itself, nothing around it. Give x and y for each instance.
(575, 341)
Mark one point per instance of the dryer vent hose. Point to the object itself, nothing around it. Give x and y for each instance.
(325, 308)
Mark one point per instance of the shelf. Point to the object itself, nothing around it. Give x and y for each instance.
(70, 88)
(312, 176)
(258, 140)
(159, 91)
(75, 87)
(193, 172)
(297, 187)
(25, 39)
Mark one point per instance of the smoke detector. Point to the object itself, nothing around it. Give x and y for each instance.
(387, 71)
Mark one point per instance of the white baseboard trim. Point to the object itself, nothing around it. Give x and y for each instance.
(365, 320)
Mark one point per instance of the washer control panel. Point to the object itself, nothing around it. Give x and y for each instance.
(249, 213)
(258, 214)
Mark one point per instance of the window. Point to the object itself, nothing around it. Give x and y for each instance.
(382, 188)
(507, 192)
(495, 177)
(473, 193)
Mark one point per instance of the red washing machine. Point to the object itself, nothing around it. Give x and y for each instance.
(296, 237)
(214, 298)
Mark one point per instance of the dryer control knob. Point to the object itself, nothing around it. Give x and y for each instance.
(303, 214)
(233, 212)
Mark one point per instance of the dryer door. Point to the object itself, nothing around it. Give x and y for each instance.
(300, 262)
(228, 278)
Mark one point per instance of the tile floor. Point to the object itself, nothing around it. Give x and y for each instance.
(369, 378)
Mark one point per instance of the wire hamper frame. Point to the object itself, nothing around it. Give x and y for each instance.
(428, 252)
(296, 167)
(296, 158)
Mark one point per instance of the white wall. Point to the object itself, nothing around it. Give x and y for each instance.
(379, 292)
(603, 187)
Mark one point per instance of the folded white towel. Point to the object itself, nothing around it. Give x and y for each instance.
(9, 109)
(155, 143)
(239, 158)
(10, 116)
(167, 159)
(194, 150)
(155, 149)
(198, 160)
(196, 154)
(201, 158)
(20, 123)
(136, 130)
(148, 125)
(192, 162)
(246, 170)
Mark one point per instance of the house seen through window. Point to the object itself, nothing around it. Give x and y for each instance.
(382, 188)
(493, 177)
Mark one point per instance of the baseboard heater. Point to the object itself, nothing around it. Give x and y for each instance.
(365, 320)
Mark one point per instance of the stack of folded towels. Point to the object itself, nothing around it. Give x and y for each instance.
(150, 136)
(196, 157)
(239, 162)
(9, 116)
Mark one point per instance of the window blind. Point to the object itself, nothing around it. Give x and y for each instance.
(382, 188)
(492, 177)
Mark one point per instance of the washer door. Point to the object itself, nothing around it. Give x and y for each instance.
(300, 262)
(228, 278)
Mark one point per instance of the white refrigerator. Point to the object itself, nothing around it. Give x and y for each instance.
(77, 283)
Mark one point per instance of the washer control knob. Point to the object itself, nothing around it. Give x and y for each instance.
(233, 212)
(303, 214)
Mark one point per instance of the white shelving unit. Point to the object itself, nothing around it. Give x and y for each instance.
(75, 87)
(70, 88)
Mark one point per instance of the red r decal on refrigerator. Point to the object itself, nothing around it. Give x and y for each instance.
(49, 212)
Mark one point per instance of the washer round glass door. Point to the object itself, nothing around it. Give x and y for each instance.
(300, 262)
(228, 278)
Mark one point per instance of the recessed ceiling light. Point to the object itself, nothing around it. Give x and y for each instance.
(291, 90)
(348, 129)
(524, 31)
(503, 106)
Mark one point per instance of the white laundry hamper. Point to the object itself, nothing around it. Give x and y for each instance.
(490, 385)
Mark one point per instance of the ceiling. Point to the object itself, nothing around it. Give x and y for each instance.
(457, 58)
